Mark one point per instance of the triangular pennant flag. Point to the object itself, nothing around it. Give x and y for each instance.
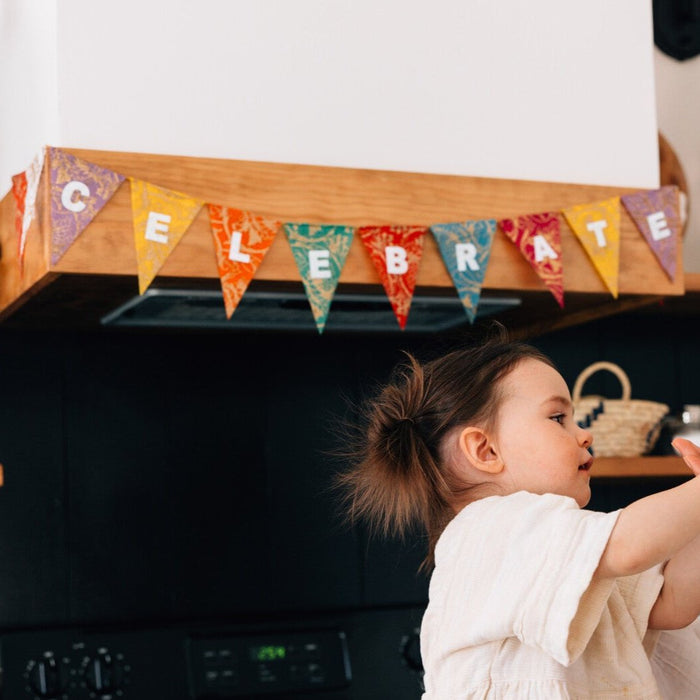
(79, 190)
(320, 253)
(241, 240)
(19, 192)
(465, 248)
(396, 252)
(161, 218)
(33, 174)
(657, 216)
(539, 240)
(597, 226)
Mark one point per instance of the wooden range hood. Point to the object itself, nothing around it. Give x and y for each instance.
(98, 273)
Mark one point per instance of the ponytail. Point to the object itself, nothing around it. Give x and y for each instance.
(399, 476)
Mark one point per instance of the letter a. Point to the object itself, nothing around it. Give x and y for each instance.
(543, 249)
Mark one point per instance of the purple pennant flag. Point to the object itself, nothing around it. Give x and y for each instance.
(79, 190)
(657, 216)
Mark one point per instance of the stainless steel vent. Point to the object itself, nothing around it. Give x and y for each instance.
(285, 311)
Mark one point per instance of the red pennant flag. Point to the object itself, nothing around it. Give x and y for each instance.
(396, 252)
(241, 240)
(538, 238)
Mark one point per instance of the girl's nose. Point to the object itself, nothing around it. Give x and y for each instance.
(585, 437)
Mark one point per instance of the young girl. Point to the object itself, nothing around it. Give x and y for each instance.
(530, 596)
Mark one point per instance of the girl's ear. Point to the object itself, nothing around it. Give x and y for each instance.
(477, 447)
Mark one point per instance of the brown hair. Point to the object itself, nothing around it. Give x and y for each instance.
(400, 475)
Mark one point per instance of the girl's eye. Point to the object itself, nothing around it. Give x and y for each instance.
(559, 418)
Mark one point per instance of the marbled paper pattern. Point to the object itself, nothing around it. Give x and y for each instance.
(161, 218)
(657, 216)
(33, 178)
(466, 248)
(398, 274)
(320, 253)
(597, 226)
(96, 185)
(241, 241)
(538, 237)
(19, 192)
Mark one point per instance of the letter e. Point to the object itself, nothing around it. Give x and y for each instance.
(658, 226)
(157, 222)
(319, 264)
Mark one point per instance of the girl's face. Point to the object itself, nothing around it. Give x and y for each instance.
(541, 446)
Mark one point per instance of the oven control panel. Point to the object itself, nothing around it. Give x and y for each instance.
(287, 662)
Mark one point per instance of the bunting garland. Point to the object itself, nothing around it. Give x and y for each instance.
(320, 253)
(78, 190)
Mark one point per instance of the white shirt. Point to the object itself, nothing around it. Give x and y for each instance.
(513, 611)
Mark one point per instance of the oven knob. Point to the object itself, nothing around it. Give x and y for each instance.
(104, 674)
(46, 677)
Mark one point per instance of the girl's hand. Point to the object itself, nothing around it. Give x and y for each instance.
(690, 453)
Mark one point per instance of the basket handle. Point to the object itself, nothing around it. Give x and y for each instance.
(595, 367)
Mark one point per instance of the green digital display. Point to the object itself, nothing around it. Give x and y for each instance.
(268, 652)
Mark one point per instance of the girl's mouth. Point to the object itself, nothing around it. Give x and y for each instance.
(587, 466)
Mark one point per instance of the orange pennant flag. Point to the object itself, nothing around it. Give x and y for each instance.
(396, 252)
(538, 238)
(597, 226)
(241, 240)
(161, 218)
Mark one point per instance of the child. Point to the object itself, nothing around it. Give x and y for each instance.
(530, 596)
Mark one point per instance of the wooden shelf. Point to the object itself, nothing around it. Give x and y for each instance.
(607, 467)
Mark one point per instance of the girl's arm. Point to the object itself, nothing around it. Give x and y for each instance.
(659, 528)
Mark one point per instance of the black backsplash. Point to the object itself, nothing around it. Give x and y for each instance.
(153, 477)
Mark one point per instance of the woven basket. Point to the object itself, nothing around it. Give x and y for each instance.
(621, 427)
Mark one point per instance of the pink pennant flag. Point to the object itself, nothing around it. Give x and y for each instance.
(656, 214)
(33, 174)
(538, 238)
(79, 190)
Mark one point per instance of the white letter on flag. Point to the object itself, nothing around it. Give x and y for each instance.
(67, 195)
(597, 228)
(157, 222)
(234, 252)
(466, 255)
(658, 226)
(319, 265)
(543, 249)
(396, 262)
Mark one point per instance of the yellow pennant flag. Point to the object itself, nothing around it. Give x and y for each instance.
(161, 218)
(597, 226)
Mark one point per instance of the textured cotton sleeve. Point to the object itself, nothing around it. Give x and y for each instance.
(522, 566)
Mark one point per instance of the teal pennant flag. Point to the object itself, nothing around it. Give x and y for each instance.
(465, 248)
(320, 253)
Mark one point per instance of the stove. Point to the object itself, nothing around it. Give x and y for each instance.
(338, 656)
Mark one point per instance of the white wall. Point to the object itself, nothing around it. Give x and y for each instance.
(678, 106)
(28, 85)
(542, 90)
